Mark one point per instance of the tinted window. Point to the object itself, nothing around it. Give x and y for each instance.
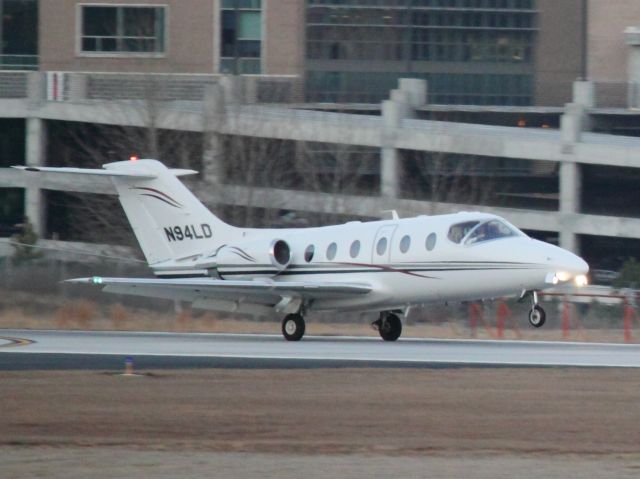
(331, 251)
(459, 231)
(355, 249)
(308, 253)
(381, 247)
(405, 242)
(490, 230)
(431, 241)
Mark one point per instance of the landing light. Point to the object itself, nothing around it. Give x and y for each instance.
(563, 276)
(581, 280)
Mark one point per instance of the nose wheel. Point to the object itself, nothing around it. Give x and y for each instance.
(537, 316)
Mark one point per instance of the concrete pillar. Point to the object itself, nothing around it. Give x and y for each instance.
(233, 88)
(570, 194)
(250, 89)
(36, 86)
(36, 138)
(572, 123)
(584, 93)
(392, 113)
(213, 151)
(416, 90)
(402, 99)
(632, 38)
(389, 174)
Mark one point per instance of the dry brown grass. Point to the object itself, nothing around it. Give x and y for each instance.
(54, 313)
(323, 411)
(75, 315)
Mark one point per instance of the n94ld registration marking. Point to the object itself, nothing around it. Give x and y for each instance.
(188, 232)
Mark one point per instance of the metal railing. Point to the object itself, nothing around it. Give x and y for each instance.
(14, 84)
(19, 62)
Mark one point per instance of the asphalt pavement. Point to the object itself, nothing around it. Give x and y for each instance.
(29, 349)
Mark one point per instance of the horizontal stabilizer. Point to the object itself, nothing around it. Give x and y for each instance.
(95, 171)
(88, 171)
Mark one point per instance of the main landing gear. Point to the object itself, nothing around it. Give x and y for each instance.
(388, 325)
(293, 327)
(537, 316)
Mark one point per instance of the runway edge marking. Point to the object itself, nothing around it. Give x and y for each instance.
(15, 342)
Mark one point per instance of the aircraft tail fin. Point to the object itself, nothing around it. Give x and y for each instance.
(170, 223)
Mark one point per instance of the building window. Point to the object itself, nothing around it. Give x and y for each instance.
(122, 29)
(241, 41)
(444, 88)
(18, 35)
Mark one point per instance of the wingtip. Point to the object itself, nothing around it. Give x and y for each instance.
(92, 280)
(25, 168)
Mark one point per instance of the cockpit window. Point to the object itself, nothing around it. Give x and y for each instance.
(459, 231)
(490, 230)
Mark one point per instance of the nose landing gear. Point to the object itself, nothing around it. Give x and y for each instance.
(537, 316)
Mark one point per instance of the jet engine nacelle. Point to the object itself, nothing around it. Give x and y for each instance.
(268, 256)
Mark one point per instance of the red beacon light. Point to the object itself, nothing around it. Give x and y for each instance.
(133, 158)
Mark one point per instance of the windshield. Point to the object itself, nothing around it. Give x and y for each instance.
(459, 231)
(490, 230)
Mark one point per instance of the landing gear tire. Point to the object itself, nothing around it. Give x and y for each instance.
(293, 327)
(390, 327)
(537, 316)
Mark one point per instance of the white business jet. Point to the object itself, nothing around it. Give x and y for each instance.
(383, 266)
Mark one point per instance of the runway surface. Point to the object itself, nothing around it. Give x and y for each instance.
(27, 349)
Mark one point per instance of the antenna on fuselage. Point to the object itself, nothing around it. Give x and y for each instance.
(393, 213)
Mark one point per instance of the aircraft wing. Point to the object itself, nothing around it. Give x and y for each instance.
(221, 294)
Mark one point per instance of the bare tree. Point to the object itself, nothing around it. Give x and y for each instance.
(442, 178)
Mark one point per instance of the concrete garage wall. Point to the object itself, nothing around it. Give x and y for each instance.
(189, 41)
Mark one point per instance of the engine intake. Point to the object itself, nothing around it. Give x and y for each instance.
(268, 257)
(280, 253)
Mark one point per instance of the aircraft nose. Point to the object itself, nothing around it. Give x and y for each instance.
(573, 264)
(567, 265)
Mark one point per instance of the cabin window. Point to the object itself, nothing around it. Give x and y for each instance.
(490, 230)
(431, 241)
(459, 231)
(405, 243)
(355, 249)
(308, 253)
(381, 247)
(332, 249)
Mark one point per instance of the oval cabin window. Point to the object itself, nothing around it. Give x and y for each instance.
(332, 249)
